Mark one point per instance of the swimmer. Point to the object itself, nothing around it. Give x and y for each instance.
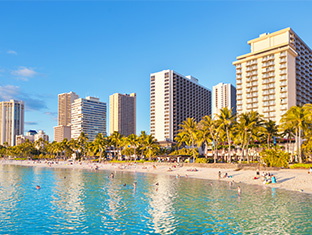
(124, 185)
(239, 190)
(112, 175)
(37, 187)
(134, 184)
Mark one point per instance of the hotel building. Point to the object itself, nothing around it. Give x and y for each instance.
(223, 95)
(89, 116)
(275, 75)
(122, 113)
(174, 98)
(11, 121)
(63, 129)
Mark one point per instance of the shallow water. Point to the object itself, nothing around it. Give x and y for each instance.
(73, 201)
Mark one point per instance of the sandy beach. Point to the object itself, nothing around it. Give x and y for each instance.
(289, 179)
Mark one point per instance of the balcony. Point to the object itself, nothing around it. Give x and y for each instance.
(283, 83)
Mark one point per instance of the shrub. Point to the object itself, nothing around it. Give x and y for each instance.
(275, 157)
(201, 160)
(301, 165)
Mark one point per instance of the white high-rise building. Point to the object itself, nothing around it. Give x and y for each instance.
(223, 95)
(275, 75)
(174, 98)
(89, 116)
(11, 121)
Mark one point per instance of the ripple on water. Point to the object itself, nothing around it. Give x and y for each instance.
(75, 202)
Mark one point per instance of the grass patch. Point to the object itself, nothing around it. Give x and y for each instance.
(300, 166)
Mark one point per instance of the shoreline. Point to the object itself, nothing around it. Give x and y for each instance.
(289, 179)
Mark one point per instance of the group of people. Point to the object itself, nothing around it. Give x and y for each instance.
(268, 178)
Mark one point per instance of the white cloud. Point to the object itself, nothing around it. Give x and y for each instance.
(12, 52)
(24, 72)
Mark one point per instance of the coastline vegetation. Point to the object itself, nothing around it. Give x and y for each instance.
(226, 138)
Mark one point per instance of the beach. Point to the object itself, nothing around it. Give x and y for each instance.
(289, 179)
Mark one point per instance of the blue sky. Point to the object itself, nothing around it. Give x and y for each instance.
(101, 47)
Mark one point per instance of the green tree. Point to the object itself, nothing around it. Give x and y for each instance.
(270, 130)
(227, 121)
(189, 127)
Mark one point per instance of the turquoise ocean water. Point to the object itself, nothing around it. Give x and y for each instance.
(87, 202)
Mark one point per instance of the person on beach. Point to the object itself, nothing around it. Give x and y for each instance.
(225, 175)
(273, 179)
(219, 174)
(112, 175)
(257, 172)
(239, 191)
(310, 171)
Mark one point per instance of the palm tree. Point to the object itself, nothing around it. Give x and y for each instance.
(190, 128)
(270, 130)
(227, 120)
(142, 139)
(133, 141)
(100, 144)
(296, 117)
(82, 143)
(249, 125)
(210, 132)
(150, 145)
(116, 141)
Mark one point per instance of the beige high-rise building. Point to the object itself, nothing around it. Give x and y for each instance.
(11, 121)
(63, 130)
(275, 75)
(223, 95)
(174, 98)
(122, 113)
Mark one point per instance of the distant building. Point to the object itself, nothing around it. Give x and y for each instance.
(122, 113)
(275, 75)
(223, 95)
(32, 136)
(174, 98)
(41, 135)
(11, 121)
(63, 129)
(88, 116)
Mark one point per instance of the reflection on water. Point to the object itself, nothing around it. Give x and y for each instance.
(77, 201)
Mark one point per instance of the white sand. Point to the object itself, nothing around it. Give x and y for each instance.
(290, 179)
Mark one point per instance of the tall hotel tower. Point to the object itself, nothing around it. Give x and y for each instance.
(174, 98)
(63, 130)
(223, 95)
(11, 121)
(122, 113)
(88, 116)
(275, 76)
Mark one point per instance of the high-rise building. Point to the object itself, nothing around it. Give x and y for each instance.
(223, 95)
(122, 113)
(174, 98)
(63, 129)
(88, 116)
(11, 121)
(275, 75)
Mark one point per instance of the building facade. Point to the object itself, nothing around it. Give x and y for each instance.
(11, 121)
(275, 75)
(32, 136)
(174, 98)
(122, 113)
(88, 116)
(63, 129)
(223, 95)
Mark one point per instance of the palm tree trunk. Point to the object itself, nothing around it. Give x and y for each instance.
(229, 142)
(300, 156)
(268, 141)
